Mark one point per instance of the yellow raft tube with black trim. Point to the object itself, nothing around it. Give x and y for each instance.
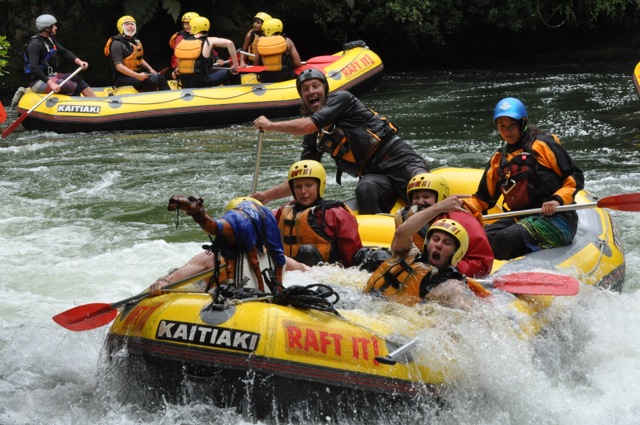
(356, 68)
(269, 358)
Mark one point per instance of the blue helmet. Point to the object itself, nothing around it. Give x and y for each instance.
(510, 107)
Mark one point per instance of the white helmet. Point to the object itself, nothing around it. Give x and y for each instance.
(45, 21)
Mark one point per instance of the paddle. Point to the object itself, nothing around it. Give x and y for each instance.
(624, 202)
(530, 283)
(254, 185)
(534, 283)
(91, 316)
(22, 117)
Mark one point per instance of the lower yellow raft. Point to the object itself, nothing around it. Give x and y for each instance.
(356, 68)
(283, 353)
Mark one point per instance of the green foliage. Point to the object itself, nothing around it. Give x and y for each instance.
(436, 21)
(4, 54)
(143, 10)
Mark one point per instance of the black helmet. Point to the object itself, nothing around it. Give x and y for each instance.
(310, 74)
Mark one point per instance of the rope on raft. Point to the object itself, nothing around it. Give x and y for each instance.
(306, 297)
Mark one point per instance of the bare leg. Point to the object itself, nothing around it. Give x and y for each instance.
(88, 92)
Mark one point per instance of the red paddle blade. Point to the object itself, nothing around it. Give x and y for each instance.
(624, 202)
(322, 59)
(13, 126)
(86, 317)
(537, 283)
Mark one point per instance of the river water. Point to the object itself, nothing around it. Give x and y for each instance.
(84, 220)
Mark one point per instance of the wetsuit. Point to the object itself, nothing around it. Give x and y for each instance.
(538, 172)
(42, 58)
(363, 144)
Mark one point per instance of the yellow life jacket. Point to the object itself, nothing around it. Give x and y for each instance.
(189, 51)
(273, 51)
(253, 45)
(399, 279)
(302, 229)
(133, 50)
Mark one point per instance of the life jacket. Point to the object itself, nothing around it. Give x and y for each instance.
(253, 41)
(305, 228)
(190, 59)
(273, 51)
(134, 53)
(50, 60)
(400, 279)
(177, 38)
(524, 183)
(419, 237)
(173, 42)
(353, 147)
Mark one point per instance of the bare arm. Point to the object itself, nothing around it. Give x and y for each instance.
(295, 56)
(131, 73)
(222, 43)
(295, 127)
(402, 239)
(149, 67)
(197, 264)
(276, 192)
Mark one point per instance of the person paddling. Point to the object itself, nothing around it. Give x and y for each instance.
(42, 60)
(530, 170)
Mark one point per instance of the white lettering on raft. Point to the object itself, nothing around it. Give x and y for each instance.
(83, 109)
(209, 336)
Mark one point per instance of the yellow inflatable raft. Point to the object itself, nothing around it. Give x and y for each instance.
(356, 68)
(276, 354)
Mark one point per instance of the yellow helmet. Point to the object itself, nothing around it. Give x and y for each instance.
(429, 181)
(457, 231)
(122, 21)
(199, 24)
(308, 168)
(187, 17)
(262, 16)
(272, 26)
(235, 201)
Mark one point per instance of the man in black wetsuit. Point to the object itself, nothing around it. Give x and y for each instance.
(362, 143)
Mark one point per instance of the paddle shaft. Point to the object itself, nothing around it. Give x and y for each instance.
(92, 316)
(622, 202)
(144, 295)
(254, 185)
(531, 211)
(22, 117)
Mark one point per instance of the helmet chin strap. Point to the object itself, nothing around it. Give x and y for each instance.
(130, 33)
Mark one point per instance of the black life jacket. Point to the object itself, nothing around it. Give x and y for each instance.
(49, 61)
(524, 182)
(352, 148)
